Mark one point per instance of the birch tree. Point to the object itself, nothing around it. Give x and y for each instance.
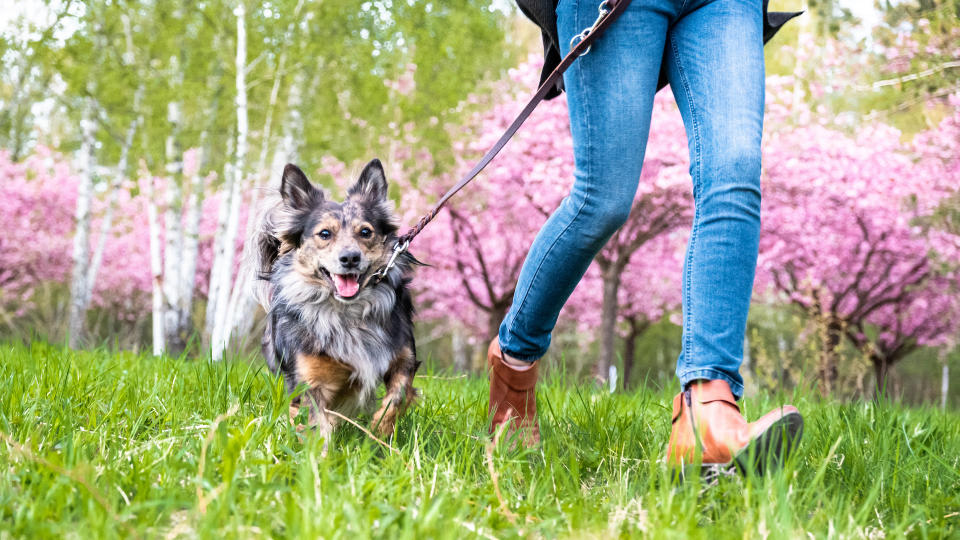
(81, 235)
(191, 240)
(156, 264)
(120, 172)
(242, 304)
(220, 298)
(112, 192)
(173, 244)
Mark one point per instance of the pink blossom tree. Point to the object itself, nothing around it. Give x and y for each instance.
(661, 205)
(649, 289)
(36, 214)
(843, 238)
(477, 245)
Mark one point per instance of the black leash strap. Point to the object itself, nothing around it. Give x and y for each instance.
(609, 10)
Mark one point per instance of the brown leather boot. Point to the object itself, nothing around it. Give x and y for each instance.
(709, 432)
(513, 397)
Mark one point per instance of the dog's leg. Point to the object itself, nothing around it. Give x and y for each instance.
(294, 412)
(400, 392)
(319, 419)
(326, 379)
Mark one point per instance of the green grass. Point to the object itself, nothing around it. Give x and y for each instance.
(105, 444)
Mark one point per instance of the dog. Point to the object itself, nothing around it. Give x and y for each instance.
(334, 324)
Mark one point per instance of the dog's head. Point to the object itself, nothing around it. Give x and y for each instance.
(337, 245)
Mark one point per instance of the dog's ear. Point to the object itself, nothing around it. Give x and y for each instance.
(297, 192)
(372, 184)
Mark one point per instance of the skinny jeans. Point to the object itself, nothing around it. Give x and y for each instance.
(713, 51)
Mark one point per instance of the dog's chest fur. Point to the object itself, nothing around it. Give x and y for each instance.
(353, 334)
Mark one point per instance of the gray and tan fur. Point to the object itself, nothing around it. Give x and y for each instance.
(341, 347)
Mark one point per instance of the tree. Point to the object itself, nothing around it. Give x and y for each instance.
(662, 204)
(24, 81)
(37, 217)
(477, 245)
(843, 238)
(221, 278)
(81, 237)
(651, 290)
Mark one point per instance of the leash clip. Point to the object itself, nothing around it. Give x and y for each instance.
(398, 248)
(604, 10)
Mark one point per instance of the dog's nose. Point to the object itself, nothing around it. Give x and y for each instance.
(350, 258)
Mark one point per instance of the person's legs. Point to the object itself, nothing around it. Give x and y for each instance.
(715, 68)
(610, 97)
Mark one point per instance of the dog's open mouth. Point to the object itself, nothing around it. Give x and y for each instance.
(347, 285)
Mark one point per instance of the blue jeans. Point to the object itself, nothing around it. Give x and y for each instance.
(714, 55)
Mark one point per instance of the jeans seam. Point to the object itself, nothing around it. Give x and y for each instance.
(688, 321)
(536, 273)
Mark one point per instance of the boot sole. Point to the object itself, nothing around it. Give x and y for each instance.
(768, 451)
(765, 453)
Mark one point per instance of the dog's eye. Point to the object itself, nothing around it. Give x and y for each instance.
(366, 232)
(325, 234)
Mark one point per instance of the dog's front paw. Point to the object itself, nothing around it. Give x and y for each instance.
(385, 418)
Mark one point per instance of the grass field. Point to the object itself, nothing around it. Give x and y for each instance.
(104, 444)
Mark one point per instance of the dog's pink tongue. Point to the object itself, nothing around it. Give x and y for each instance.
(347, 284)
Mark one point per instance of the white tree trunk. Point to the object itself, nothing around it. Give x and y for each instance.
(191, 239)
(112, 192)
(242, 307)
(173, 232)
(291, 133)
(156, 265)
(220, 334)
(223, 209)
(115, 186)
(81, 236)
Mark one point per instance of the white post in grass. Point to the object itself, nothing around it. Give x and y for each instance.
(944, 378)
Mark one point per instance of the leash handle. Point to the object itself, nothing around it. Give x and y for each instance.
(609, 11)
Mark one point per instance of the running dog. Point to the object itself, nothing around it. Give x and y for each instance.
(334, 324)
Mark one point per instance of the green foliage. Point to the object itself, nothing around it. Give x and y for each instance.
(352, 114)
(24, 79)
(101, 444)
(899, 70)
(831, 16)
(787, 349)
(338, 55)
(937, 10)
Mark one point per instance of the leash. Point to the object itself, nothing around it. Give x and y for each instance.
(580, 45)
